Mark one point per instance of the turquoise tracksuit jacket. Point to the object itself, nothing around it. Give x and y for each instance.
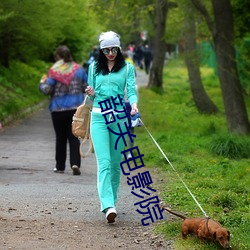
(113, 84)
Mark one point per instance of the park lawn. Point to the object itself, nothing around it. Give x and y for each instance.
(190, 141)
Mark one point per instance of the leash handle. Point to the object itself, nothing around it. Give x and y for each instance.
(175, 170)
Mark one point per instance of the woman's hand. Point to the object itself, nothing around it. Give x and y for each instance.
(134, 109)
(90, 91)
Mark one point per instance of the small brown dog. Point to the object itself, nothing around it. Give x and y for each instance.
(204, 229)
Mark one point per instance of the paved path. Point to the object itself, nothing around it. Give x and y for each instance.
(141, 78)
(31, 191)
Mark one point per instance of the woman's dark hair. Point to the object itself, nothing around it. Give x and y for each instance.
(102, 67)
(63, 52)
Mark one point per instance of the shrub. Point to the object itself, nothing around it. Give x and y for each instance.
(231, 146)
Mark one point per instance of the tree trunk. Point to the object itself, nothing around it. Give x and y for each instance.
(159, 46)
(235, 109)
(201, 99)
(223, 38)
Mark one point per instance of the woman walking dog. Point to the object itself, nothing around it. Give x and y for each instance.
(108, 77)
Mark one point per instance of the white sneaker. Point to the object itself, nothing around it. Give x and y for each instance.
(58, 171)
(76, 170)
(129, 156)
(111, 214)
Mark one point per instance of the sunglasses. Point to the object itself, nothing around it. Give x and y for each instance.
(106, 51)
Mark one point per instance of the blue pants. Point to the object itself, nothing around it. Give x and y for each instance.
(108, 159)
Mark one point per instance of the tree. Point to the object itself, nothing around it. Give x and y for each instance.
(127, 17)
(201, 99)
(28, 33)
(223, 38)
(159, 44)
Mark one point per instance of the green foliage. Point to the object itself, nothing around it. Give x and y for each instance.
(219, 183)
(175, 25)
(28, 33)
(241, 17)
(19, 87)
(128, 18)
(175, 28)
(243, 59)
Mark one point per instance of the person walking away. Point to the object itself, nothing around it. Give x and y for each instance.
(108, 77)
(147, 54)
(65, 84)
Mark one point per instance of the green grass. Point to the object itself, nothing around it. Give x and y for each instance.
(214, 164)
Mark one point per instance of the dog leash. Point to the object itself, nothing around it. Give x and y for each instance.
(174, 170)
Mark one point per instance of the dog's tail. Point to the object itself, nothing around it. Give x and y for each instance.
(175, 213)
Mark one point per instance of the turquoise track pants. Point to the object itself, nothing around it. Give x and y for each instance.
(108, 159)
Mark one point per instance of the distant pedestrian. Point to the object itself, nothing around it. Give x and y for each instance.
(147, 55)
(65, 84)
(138, 56)
(107, 80)
(93, 55)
